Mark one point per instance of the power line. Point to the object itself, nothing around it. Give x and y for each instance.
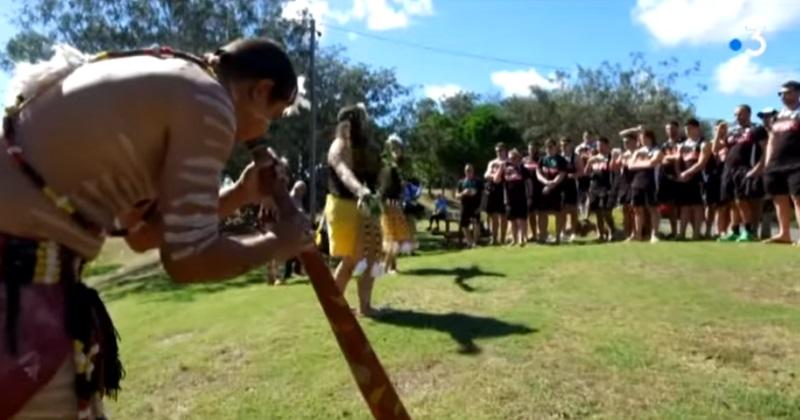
(448, 51)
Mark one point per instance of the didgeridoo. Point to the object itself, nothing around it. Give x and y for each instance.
(374, 384)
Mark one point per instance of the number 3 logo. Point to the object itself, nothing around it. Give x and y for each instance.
(762, 42)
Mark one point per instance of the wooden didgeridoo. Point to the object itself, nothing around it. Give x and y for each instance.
(375, 386)
(372, 380)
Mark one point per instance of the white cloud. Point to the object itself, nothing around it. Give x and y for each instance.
(519, 82)
(379, 15)
(740, 75)
(439, 92)
(695, 22)
(352, 36)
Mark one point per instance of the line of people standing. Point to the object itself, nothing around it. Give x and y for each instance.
(712, 185)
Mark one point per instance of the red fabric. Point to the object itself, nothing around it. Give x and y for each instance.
(43, 345)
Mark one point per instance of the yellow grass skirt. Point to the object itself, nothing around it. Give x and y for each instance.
(353, 235)
(397, 236)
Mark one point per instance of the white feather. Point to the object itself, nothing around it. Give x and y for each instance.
(300, 101)
(29, 79)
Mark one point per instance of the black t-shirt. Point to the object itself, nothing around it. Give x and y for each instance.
(551, 166)
(532, 164)
(474, 184)
(572, 167)
(600, 173)
(515, 177)
(690, 153)
(743, 148)
(786, 147)
(644, 177)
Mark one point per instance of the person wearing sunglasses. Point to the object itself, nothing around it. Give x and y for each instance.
(782, 176)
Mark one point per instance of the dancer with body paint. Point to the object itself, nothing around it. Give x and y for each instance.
(155, 128)
(352, 209)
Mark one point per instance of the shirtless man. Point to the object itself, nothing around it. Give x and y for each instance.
(94, 149)
(351, 208)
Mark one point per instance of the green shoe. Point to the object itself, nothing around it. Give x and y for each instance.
(745, 237)
(729, 237)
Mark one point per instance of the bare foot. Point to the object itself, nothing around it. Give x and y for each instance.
(371, 312)
(783, 240)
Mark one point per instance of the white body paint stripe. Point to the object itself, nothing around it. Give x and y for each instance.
(219, 125)
(182, 253)
(193, 250)
(200, 179)
(207, 243)
(201, 200)
(141, 173)
(216, 144)
(197, 220)
(209, 163)
(222, 107)
(191, 235)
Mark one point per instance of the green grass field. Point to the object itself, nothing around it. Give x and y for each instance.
(673, 331)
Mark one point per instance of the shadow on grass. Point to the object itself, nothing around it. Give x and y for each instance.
(460, 274)
(156, 285)
(462, 328)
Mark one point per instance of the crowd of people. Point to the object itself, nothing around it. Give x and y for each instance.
(720, 187)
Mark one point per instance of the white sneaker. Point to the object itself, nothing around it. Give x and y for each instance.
(654, 240)
(571, 238)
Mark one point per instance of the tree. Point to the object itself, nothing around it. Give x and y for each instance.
(606, 99)
(200, 26)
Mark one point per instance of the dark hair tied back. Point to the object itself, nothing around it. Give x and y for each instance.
(257, 58)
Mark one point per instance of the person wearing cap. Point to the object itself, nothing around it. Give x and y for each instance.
(495, 200)
(396, 231)
(742, 184)
(694, 154)
(351, 208)
(782, 175)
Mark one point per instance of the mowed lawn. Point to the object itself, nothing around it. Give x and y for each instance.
(673, 330)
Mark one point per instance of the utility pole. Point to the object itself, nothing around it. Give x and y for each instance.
(313, 123)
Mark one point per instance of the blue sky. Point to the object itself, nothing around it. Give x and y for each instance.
(540, 36)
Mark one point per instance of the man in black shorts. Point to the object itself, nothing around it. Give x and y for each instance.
(495, 201)
(742, 183)
(531, 163)
(764, 213)
(694, 154)
(552, 171)
(569, 187)
(518, 197)
(469, 193)
(782, 178)
(601, 197)
(585, 150)
(667, 177)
